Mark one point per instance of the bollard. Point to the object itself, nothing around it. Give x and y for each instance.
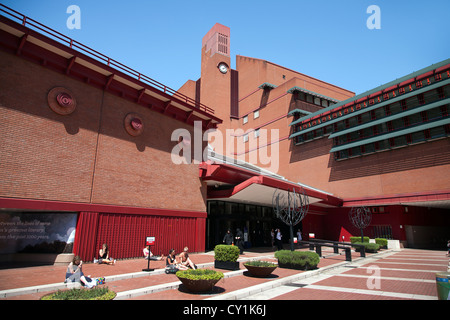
(363, 251)
(319, 250)
(348, 254)
(335, 248)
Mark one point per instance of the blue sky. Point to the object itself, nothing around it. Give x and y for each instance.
(328, 40)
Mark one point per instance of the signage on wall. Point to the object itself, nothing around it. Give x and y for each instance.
(150, 241)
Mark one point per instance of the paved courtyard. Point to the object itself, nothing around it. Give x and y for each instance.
(388, 275)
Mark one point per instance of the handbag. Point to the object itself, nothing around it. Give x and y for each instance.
(171, 269)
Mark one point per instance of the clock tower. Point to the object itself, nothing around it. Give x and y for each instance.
(216, 72)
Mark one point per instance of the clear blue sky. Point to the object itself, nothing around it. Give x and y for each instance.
(328, 39)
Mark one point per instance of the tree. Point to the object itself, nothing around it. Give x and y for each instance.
(291, 208)
(360, 217)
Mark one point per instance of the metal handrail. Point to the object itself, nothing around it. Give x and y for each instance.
(71, 43)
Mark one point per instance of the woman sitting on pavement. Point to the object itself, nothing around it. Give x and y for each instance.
(185, 260)
(74, 273)
(171, 260)
(147, 251)
(104, 257)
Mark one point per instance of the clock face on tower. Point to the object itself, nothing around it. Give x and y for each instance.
(223, 67)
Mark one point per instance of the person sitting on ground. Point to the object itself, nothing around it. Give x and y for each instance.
(104, 257)
(171, 260)
(147, 251)
(74, 273)
(185, 260)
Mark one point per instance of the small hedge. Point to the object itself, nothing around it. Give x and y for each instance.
(223, 252)
(96, 293)
(382, 242)
(370, 247)
(303, 260)
(259, 263)
(358, 239)
(200, 274)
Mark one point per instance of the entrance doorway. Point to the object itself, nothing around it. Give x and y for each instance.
(255, 222)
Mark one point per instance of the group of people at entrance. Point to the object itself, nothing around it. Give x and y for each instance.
(277, 238)
(237, 240)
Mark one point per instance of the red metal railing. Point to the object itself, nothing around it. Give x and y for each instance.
(33, 24)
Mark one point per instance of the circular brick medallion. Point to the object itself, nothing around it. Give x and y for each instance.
(61, 101)
(133, 124)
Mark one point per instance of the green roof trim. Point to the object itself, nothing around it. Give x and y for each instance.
(298, 111)
(390, 118)
(293, 89)
(267, 85)
(375, 106)
(421, 127)
(380, 88)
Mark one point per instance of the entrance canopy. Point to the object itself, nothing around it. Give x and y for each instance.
(229, 182)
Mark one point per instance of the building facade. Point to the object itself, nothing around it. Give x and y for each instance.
(86, 151)
(387, 148)
(87, 146)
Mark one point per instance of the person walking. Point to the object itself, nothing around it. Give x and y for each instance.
(228, 238)
(240, 240)
(272, 237)
(278, 239)
(299, 236)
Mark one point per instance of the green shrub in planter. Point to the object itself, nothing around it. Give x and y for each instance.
(259, 263)
(370, 247)
(96, 293)
(199, 274)
(382, 242)
(260, 268)
(224, 252)
(303, 260)
(199, 280)
(358, 239)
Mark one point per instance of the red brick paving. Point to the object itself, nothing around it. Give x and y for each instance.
(24, 277)
(386, 285)
(314, 294)
(396, 273)
(428, 289)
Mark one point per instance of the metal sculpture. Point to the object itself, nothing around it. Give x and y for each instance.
(291, 208)
(360, 217)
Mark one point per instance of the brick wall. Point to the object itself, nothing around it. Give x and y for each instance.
(86, 156)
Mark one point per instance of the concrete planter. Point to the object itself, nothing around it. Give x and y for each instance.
(260, 271)
(227, 265)
(198, 285)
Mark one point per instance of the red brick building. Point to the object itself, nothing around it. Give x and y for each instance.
(86, 144)
(387, 148)
(86, 138)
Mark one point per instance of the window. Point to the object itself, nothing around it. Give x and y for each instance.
(256, 114)
(245, 120)
(317, 101)
(246, 137)
(421, 98)
(256, 133)
(418, 84)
